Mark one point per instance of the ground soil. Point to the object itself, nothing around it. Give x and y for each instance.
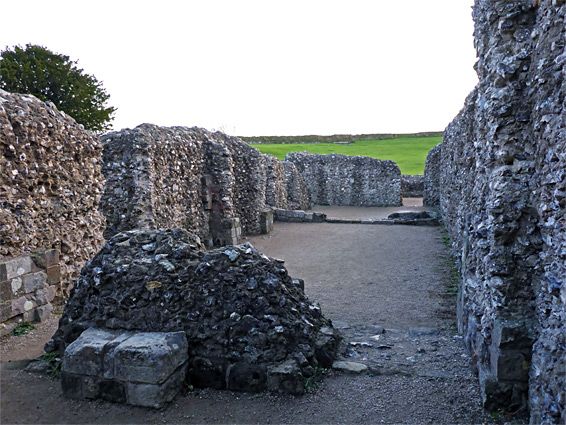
(389, 290)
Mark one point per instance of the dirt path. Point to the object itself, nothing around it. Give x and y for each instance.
(382, 285)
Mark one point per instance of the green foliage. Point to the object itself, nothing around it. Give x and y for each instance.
(312, 384)
(54, 77)
(55, 363)
(408, 152)
(23, 328)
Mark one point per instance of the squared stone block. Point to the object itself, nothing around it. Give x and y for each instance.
(34, 281)
(46, 259)
(150, 357)
(5, 290)
(156, 395)
(5, 311)
(512, 333)
(266, 222)
(85, 356)
(510, 365)
(53, 275)
(3, 272)
(19, 266)
(21, 305)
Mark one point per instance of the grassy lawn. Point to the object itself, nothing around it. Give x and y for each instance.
(409, 153)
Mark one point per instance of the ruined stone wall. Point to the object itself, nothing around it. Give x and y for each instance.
(50, 185)
(276, 187)
(211, 184)
(502, 195)
(298, 195)
(349, 180)
(431, 190)
(412, 186)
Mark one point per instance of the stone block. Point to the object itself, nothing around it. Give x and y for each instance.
(16, 285)
(247, 377)
(18, 266)
(46, 259)
(512, 333)
(266, 222)
(34, 281)
(53, 275)
(5, 311)
(43, 312)
(512, 365)
(141, 369)
(21, 305)
(156, 396)
(85, 355)
(3, 272)
(5, 290)
(286, 378)
(150, 357)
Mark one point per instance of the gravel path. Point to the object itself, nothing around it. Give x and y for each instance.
(385, 287)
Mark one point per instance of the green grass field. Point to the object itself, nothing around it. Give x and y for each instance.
(409, 153)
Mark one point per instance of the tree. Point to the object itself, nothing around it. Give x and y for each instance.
(54, 77)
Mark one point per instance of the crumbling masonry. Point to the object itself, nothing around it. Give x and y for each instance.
(500, 179)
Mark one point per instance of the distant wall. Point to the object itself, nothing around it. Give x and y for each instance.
(349, 180)
(213, 185)
(50, 186)
(412, 186)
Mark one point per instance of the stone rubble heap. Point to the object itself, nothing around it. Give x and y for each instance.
(208, 183)
(50, 184)
(500, 175)
(349, 180)
(249, 325)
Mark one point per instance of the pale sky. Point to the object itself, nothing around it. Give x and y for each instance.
(264, 67)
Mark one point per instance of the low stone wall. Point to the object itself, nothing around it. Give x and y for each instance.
(28, 284)
(50, 185)
(502, 195)
(211, 184)
(349, 180)
(412, 186)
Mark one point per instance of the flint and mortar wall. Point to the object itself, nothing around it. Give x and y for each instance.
(50, 186)
(211, 184)
(412, 186)
(502, 191)
(349, 180)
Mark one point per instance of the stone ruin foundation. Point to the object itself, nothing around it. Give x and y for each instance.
(349, 180)
(500, 179)
(248, 324)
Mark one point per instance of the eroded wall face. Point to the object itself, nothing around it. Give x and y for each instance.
(50, 185)
(211, 184)
(502, 195)
(349, 180)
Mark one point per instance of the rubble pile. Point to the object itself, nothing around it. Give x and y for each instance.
(249, 325)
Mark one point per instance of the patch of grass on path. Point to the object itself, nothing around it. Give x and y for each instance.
(408, 152)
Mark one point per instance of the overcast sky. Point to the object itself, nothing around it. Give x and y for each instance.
(263, 67)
